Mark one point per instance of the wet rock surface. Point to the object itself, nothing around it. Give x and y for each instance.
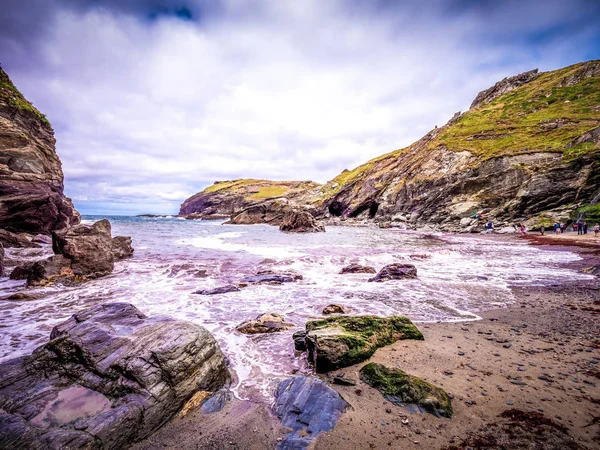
(218, 290)
(357, 268)
(133, 373)
(340, 341)
(49, 269)
(395, 272)
(121, 247)
(1, 260)
(400, 388)
(265, 323)
(308, 407)
(300, 221)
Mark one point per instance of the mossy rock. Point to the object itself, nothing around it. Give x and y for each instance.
(401, 388)
(337, 341)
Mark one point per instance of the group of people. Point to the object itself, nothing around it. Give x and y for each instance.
(580, 227)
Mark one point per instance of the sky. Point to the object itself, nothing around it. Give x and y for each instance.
(153, 100)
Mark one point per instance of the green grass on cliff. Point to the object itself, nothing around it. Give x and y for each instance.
(254, 189)
(539, 116)
(12, 96)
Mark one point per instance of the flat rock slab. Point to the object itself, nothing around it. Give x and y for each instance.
(271, 277)
(109, 377)
(309, 407)
(265, 323)
(218, 290)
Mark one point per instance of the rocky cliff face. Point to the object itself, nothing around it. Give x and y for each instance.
(527, 150)
(228, 198)
(31, 178)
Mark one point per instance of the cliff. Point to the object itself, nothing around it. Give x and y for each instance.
(527, 150)
(31, 177)
(227, 198)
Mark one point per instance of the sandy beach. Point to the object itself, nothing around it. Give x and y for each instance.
(540, 355)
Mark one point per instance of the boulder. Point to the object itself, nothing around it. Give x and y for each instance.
(300, 221)
(21, 272)
(265, 323)
(108, 377)
(341, 341)
(219, 290)
(395, 272)
(121, 247)
(334, 309)
(89, 247)
(308, 407)
(49, 270)
(299, 338)
(400, 388)
(357, 268)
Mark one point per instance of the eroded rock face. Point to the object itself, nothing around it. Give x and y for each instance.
(48, 270)
(357, 268)
(504, 86)
(308, 407)
(300, 221)
(400, 388)
(32, 199)
(341, 341)
(265, 323)
(395, 272)
(109, 377)
(121, 247)
(89, 247)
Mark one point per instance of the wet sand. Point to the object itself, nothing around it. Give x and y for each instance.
(540, 354)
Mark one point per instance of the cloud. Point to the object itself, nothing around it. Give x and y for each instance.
(153, 100)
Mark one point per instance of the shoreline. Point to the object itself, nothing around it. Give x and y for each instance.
(541, 353)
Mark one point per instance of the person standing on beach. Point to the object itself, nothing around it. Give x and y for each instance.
(579, 228)
(556, 228)
(542, 229)
(585, 227)
(523, 229)
(575, 226)
(596, 230)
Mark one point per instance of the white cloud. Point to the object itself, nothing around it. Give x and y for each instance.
(148, 112)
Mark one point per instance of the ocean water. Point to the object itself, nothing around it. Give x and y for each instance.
(458, 276)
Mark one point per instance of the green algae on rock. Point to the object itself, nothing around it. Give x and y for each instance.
(401, 388)
(338, 341)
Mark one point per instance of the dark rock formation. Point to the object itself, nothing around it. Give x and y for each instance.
(334, 309)
(400, 388)
(21, 272)
(109, 377)
(89, 247)
(219, 290)
(271, 277)
(300, 221)
(31, 178)
(1, 260)
(299, 338)
(265, 323)
(270, 212)
(341, 341)
(395, 272)
(121, 247)
(308, 407)
(357, 268)
(19, 240)
(49, 269)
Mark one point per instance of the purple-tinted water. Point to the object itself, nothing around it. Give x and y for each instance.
(458, 277)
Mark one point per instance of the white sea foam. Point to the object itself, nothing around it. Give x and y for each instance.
(458, 277)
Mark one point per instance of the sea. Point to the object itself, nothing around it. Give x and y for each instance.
(458, 277)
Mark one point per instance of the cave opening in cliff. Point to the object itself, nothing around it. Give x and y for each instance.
(336, 209)
(370, 205)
